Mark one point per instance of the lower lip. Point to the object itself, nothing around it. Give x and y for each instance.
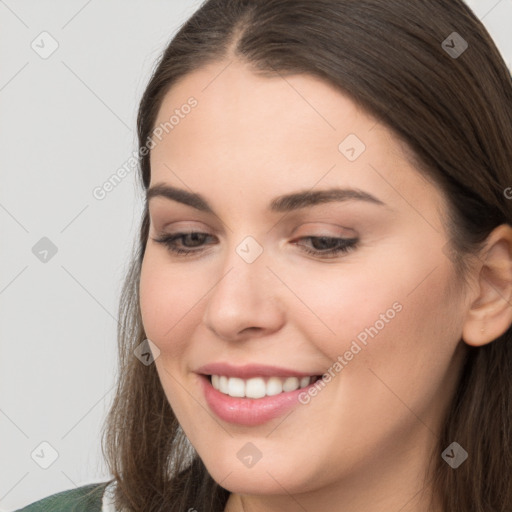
(249, 411)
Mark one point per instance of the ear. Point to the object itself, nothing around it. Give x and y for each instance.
(490, 313)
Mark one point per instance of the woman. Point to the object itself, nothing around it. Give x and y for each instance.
(317, 316)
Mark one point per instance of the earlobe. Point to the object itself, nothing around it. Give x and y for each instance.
(490, 314)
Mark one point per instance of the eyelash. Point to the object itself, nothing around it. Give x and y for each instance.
(344, 245)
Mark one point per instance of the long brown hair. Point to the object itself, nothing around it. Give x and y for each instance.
(454, 114)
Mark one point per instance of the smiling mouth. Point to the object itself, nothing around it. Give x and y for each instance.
(259, 387)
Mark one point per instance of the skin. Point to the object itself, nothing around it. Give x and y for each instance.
(363, 443)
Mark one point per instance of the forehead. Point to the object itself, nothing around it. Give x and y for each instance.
(258, 133)
(235, 105)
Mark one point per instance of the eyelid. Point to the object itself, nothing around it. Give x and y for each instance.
(341, 231)
(180, 226)
(316, 228)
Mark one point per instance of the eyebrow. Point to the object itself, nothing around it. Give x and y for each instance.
(284, 203)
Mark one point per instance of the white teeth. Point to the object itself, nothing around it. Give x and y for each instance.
(255, 388)
(291, 384)
(274, 386)
(223, 385)
(258, 387)
(236, 387)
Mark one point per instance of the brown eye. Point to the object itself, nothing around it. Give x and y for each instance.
(188, 240)
(326, 246)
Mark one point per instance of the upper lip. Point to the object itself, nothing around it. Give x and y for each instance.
(250, 370)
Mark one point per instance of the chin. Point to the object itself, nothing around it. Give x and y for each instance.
(262, 478)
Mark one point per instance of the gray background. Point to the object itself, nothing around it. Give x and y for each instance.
(67, 124)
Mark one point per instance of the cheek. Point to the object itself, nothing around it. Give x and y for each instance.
(411, 361)
(396, 313)
(336, 306)
(396, 341)
(170, 302)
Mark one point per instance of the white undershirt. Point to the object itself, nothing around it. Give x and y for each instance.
(106, 503)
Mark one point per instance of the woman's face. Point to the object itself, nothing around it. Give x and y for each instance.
(382, 318)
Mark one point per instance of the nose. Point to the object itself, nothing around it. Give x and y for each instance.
(245, 300)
